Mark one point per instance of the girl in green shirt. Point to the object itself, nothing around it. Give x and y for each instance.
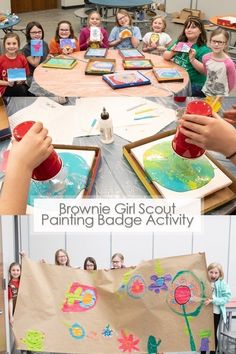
(195, 35)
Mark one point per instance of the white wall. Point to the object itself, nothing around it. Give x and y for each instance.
(217, 240)
(5, 5)
(209, 7)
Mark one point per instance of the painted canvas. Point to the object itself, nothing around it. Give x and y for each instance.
(183, 47)
(177, 177)
(158, 306)
(36, 47)
(16, 75)
(71, 180)
(59, 63)
(131, 53)
(100, 66)
(95, 53)
(67, 42)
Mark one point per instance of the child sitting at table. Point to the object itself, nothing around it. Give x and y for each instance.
(12, 60)
(34, 31)
(124, 34)
(219, 67)
(156, 41)
(194, 35)
(64, 31)
(94, 20)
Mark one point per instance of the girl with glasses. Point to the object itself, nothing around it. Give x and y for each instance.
(124, 34)
(34, 31)
(195, 35)
(62, 258)
(94, 20)
(90, 264)
(219, 67)
(64, 30)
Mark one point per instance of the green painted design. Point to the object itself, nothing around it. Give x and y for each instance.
(153, 345)
(173, 172)
(34, 340)
(158, 268)
(192, 343)
(205, 333)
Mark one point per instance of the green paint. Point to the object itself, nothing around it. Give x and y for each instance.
(158, 268)
(205, 333)
(192, 343)
(72, 297)
(126, 277)
(34, 340)
(153, 345)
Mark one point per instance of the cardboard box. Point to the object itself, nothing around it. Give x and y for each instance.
(210, 202)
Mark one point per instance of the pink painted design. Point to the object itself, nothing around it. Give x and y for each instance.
(128, 342)
(80, 298)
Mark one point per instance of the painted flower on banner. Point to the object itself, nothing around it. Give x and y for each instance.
(107, 331)
(186, 298)
(128, 342)
(159, 282)
(186, 289)
(77, 331)
(136, 287)
(34, 340)
(80, 298)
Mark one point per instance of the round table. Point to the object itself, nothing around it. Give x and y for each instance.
(74, 82)
(12, 20)
(230, 29)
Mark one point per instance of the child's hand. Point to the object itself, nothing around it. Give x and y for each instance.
(34, 147)
(11, 320)
(208, 301)
(10, 83)
(192, 54)
(67, 50)
(230, 115)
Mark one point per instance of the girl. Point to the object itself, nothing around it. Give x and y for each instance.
(12, 60)
(195, 34)
(221, 294)
(13, 286)
(90, 264)
(64, 30)
(94, 19)
(117, 261)
(158, 40)
(118, 38)
(34, 30)
(62, 258)
(218, 66)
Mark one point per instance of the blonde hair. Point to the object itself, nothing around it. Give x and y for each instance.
(119, 255)
(125, 13)
(219, 267)
(163, 21)
(89, 16)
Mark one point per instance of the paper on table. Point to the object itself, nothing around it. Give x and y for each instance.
(123, 111)
(219, 181)
(52, 115)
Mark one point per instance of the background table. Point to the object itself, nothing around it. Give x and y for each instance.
(230, 29)
(115, 177)
(119, 4)
(12, 21)
(74, 82)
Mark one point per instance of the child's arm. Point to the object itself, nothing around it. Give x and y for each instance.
(6, 83)
(84, 38)
(24, 156)
(104, 42)
(114, 38)
(231, 74)
(10, 311)
(197, 64)
(224, 299)
(136, 38)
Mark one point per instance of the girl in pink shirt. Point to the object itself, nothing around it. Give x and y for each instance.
(94, 20)
(218, 66)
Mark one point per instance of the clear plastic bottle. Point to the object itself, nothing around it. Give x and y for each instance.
(106, 128)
